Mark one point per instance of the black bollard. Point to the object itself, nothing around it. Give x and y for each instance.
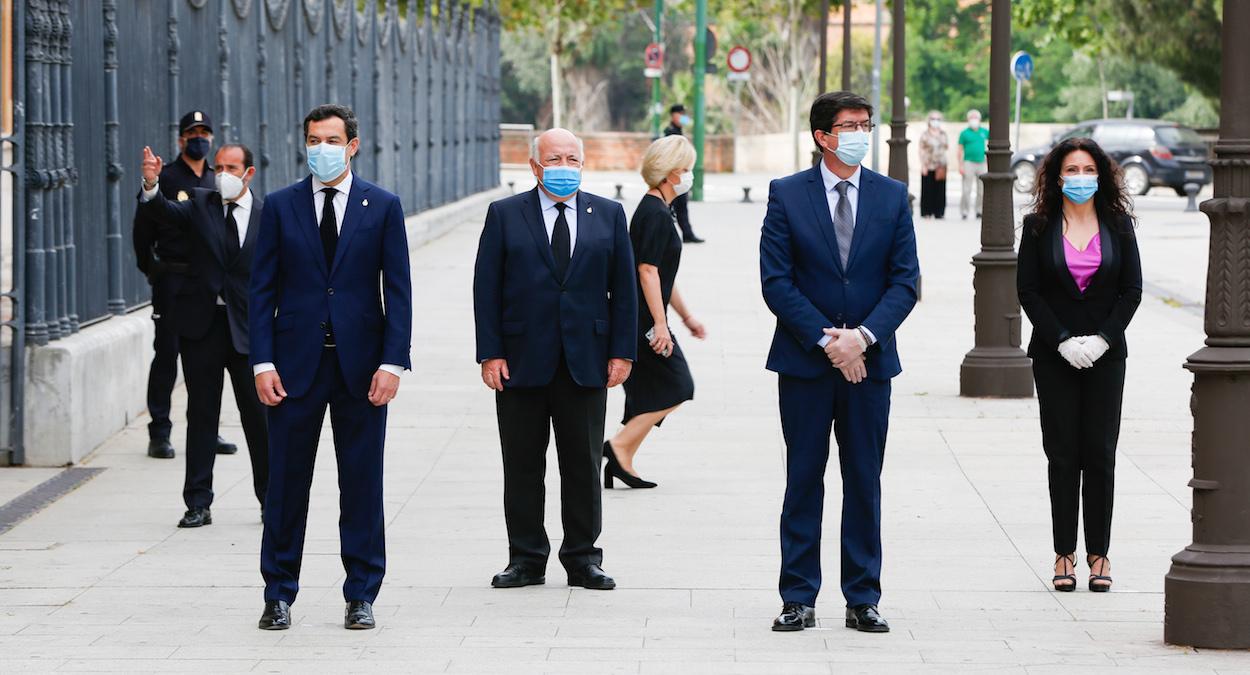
(619, 197)
(746, 195)
(1191, 189)
(512, 186)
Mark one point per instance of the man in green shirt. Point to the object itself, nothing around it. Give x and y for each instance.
(972, 142)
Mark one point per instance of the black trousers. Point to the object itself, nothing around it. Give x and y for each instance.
(932, 195)
(205, 363)
(681, 207)
(1080, 415)
(526, 417)
(164, 370)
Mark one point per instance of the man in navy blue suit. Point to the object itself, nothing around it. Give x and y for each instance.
(556, 310)
(331, 325)
(838, 268)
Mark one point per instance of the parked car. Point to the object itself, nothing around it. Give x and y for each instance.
(1150, 153)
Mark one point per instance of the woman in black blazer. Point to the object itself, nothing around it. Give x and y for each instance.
(1079, 280)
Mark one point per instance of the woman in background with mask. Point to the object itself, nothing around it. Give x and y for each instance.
(660, 380)
(933, 150)
(1079, 280)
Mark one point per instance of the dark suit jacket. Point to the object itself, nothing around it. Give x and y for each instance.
(294, 297)
(806, 286)
(214, 271)
(526, 315)
(1056, 307)
(153, 237)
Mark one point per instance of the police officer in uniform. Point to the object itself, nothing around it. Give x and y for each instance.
(677, 120)
(162, 252)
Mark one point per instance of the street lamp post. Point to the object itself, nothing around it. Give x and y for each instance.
(997, 366)
(1207, 589)
(656, 107)
(898, 92)
(700, 73)
(846, 45)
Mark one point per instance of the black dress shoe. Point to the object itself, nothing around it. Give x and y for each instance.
(277, 616)
(865, 619)
(517, 575)
(592, 577)
(160, 448)
(196, 518)
(359, 616)
(693, 239)
(225, 447)
(795, 616)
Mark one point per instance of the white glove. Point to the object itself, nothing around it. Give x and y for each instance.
(1095, 346)
(1075, 353)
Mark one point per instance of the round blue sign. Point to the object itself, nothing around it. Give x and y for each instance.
(1022, 66)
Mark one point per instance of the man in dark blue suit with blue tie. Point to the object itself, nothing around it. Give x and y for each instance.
(838, 268)
(331, 326)
(556, 309)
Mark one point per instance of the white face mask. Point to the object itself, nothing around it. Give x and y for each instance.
(935, 124)
(975, 123)
(683, 186)
(229, 185)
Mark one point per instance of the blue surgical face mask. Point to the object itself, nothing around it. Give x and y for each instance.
(684, 120)
(852, 147)
(1080, 188)
(197, 148)
(326, 161)
(561, 181)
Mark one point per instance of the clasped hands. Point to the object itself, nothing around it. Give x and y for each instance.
(1083, 350)
(845, 350)
(382, 389)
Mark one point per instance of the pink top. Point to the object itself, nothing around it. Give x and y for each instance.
(1083, 264)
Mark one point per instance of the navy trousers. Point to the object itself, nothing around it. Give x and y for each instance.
(858, 415)
(359, 430)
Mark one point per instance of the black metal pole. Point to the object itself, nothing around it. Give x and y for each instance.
(16, 294)
(824, 46)
(997, 366)
(898, 93)
(1207, 589)
(846, 45)
(112, 158)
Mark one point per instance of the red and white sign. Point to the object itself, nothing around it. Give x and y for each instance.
(653, 60)
(739, 59)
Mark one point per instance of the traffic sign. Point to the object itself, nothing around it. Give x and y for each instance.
(653, 59)
(739, 59)
(1022, 66)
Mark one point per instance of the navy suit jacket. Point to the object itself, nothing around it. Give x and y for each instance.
(526, 315)
(804, 282)
(366, 295)
(215, 271)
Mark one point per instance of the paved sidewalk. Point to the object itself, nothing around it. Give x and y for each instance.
(102, 580)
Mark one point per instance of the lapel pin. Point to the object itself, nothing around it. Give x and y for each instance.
(364, 202)
(589, 210)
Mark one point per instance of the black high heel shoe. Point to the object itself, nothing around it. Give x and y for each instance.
(1066, 582)
(1098, 583)
(613, 470)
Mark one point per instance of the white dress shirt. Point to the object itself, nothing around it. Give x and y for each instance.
(550, 213)
(831, 195)
(340, 209)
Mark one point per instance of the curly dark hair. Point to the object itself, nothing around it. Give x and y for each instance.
(1111, 202)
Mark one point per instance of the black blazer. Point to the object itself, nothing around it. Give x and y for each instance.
(1054, 304)
(214, 272)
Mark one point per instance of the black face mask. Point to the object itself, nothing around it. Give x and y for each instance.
(197, 148)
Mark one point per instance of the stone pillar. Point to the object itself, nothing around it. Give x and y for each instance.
(1207, 590)
(997, 366)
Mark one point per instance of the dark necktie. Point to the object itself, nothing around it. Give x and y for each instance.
(843, 222)
(329, 226)
(561, 244)
(232, 229)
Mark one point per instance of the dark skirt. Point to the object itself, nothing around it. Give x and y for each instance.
(657, 383)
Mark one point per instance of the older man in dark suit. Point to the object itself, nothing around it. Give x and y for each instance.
(556, 311)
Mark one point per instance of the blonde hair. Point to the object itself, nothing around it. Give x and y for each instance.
(664, 156)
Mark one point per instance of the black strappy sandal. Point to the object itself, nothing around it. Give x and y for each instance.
(1070, 579)
(1098, 583)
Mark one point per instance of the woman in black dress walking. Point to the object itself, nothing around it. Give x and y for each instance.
(660, 380)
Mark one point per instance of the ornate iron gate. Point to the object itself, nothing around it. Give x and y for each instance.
(96, 80)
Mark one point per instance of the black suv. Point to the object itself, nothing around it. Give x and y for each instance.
(1150, 152)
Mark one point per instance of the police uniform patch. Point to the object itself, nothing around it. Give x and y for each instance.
(199, 117)
(183, 196)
